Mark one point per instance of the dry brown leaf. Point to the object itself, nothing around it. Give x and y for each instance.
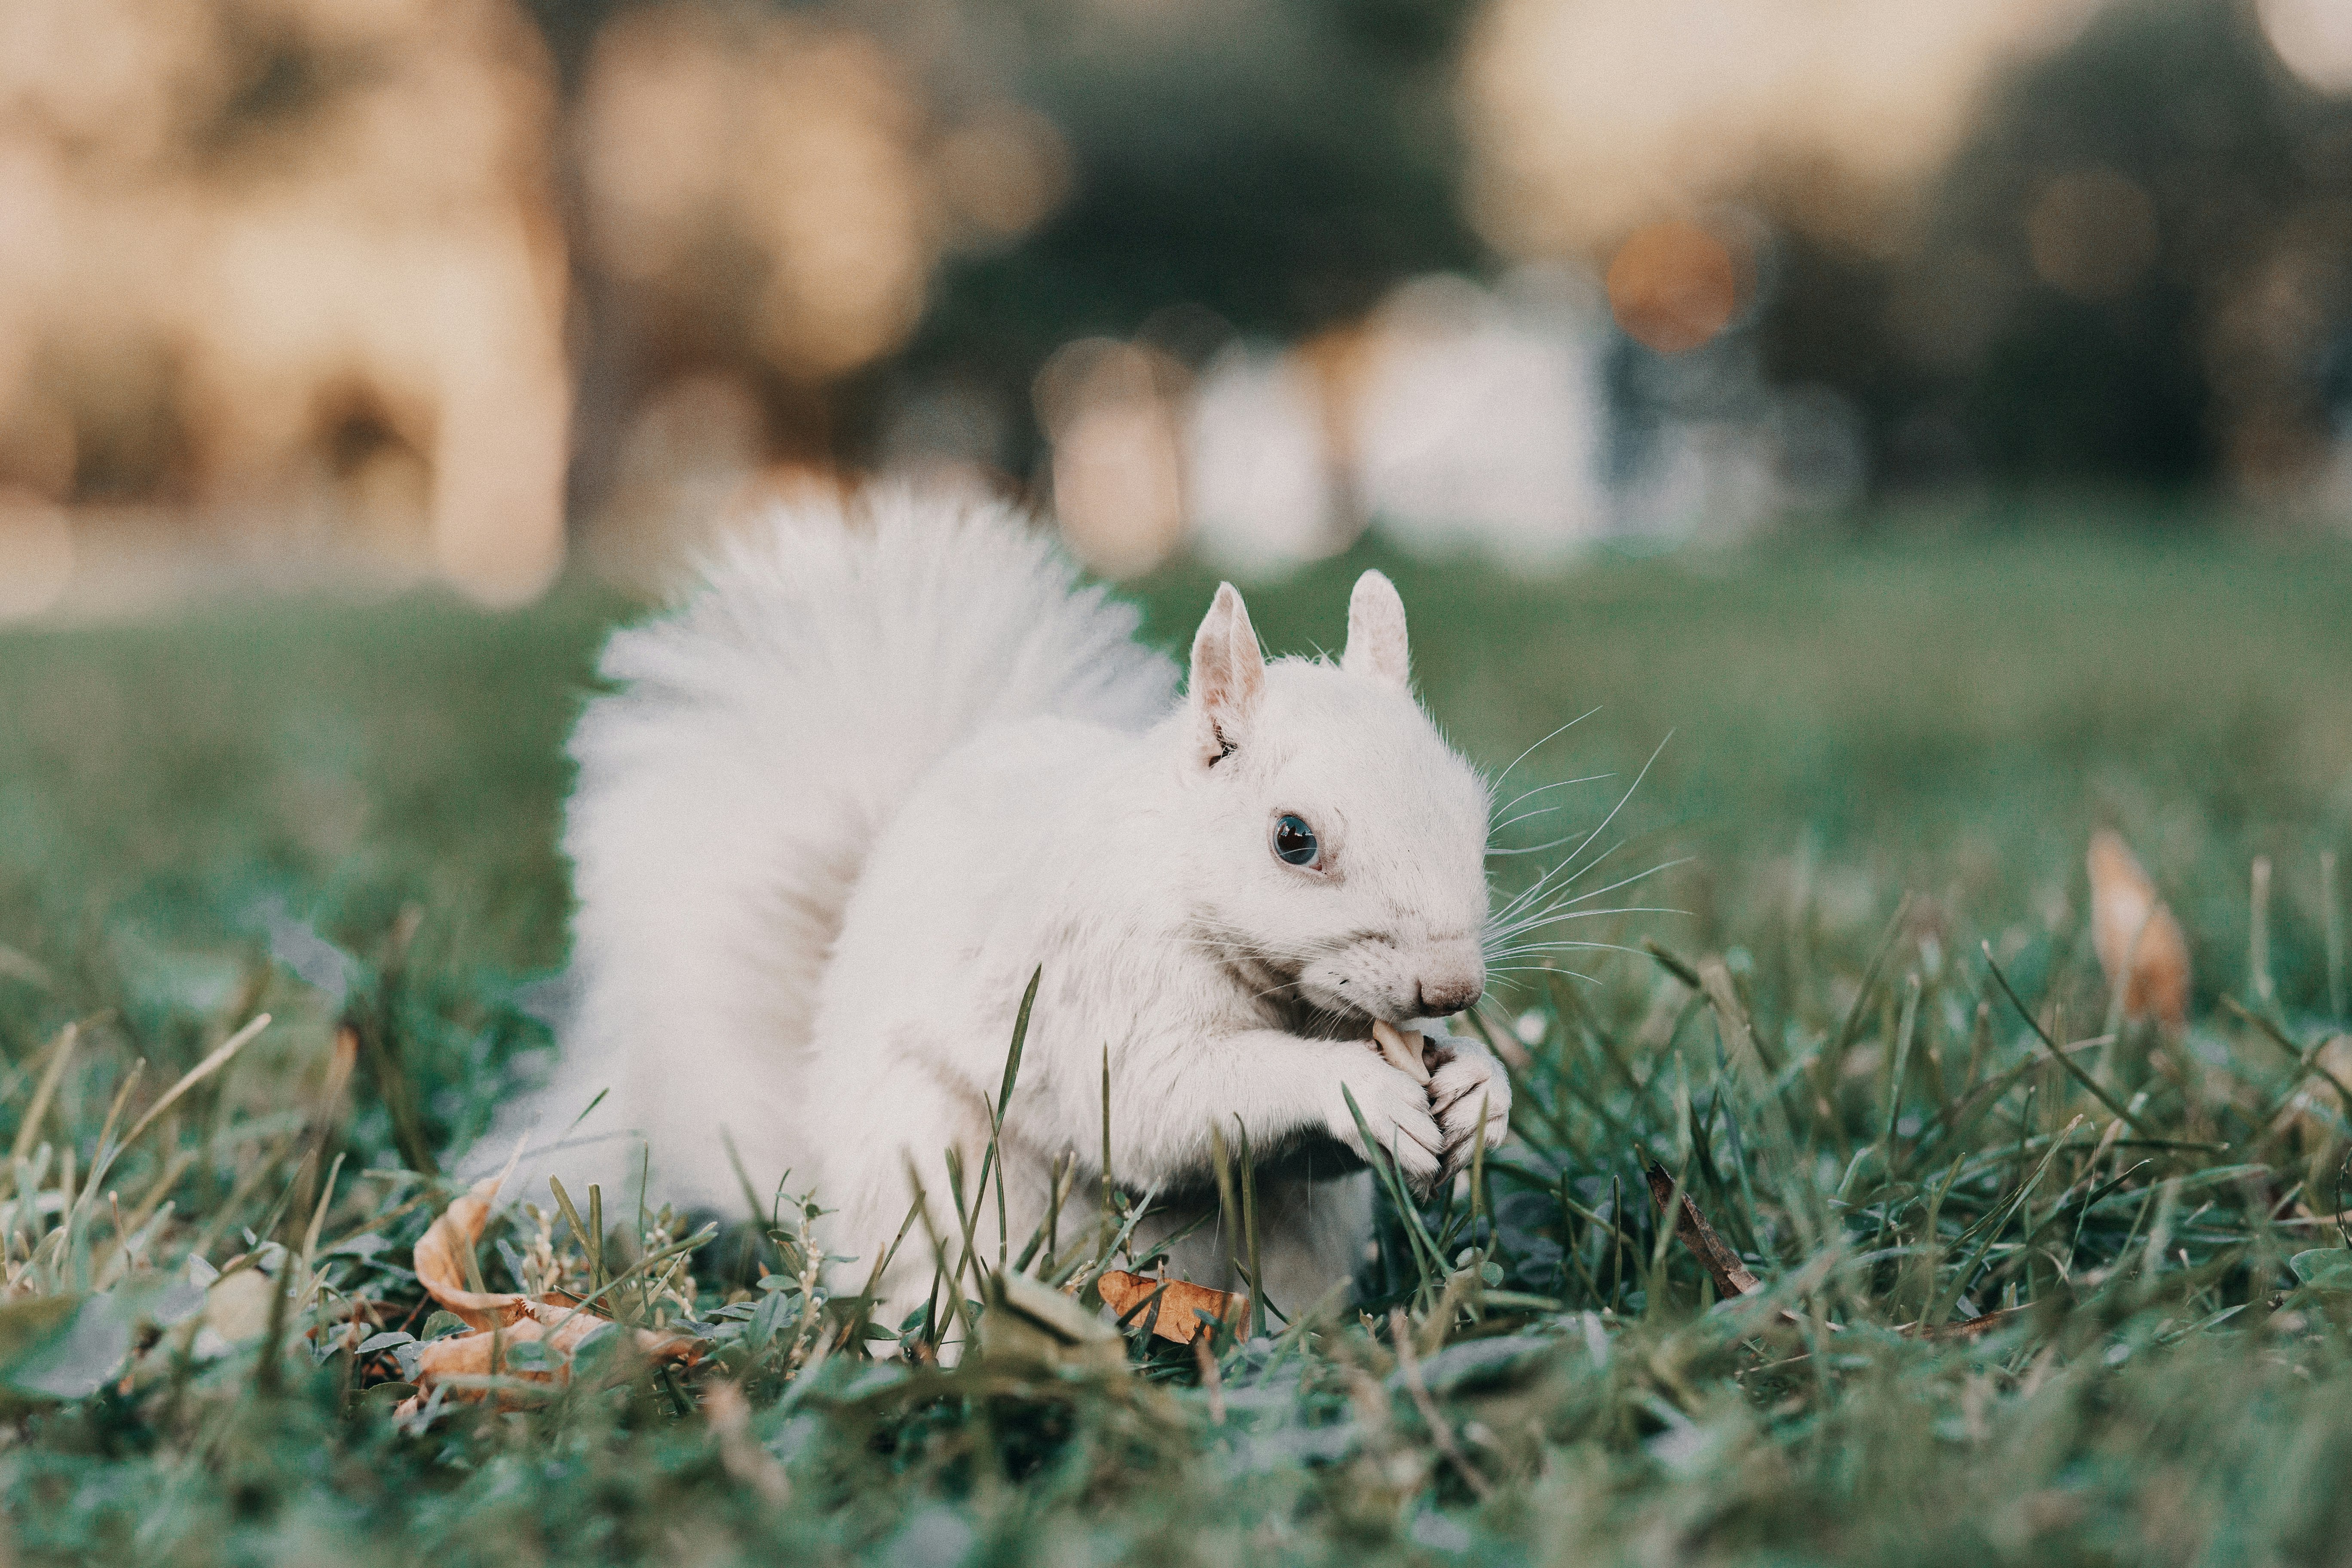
(2140, 943)
(504, 1319)
(1122, 1291)
(1732, 1278)
(489, 1351)
(440, 1261)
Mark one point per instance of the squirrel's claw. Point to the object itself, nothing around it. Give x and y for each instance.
(1395, 1105)
(1468, 1078)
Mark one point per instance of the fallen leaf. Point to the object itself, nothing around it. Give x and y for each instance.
(237, 1307)
(505, 1320)
(1122, 1291)
(2140, 943)
(560, 1328)
(440, 1261)
(1732, 1278)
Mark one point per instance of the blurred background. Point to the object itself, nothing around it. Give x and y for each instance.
(301, 291)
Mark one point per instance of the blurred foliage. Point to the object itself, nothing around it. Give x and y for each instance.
(2207, 345)
(1271, 174)
(1270, 167)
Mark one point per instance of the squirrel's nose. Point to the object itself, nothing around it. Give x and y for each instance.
(1441, 995)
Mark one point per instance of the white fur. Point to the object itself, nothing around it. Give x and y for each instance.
(887, 764)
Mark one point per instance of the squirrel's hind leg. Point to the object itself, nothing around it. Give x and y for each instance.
(1312, 1237)
(1312, 1241)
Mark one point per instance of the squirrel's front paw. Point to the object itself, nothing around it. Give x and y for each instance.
(1464, 1076)
(1396, 1107)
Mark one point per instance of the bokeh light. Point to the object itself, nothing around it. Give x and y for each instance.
(37, 555)
(1110, 409)
(2312, 38)
(1261, 488)
(1481, 420)
(1589, 118)
(1672, 286)
(760, 169)
(300, 262)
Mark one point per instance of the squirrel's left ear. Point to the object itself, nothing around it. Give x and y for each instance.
(1227, 679)
(1376, 644)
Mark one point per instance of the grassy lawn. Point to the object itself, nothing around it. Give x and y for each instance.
(346, 813)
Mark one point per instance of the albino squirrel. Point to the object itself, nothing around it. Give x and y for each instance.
(889, 761)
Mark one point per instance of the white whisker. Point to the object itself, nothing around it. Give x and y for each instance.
(1534, 948)
(1524, 817)
(1563, 784)
(1554, 910)
(1563, 729)
(1530, 849)
(1542, 969)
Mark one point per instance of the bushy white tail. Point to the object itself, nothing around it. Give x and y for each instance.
(728, 791)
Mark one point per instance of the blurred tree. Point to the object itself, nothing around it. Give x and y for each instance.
(1260, 166)
(1263, 166)
(2132, 273)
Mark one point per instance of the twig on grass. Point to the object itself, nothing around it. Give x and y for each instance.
(1731, 1276)
(1734, 1279)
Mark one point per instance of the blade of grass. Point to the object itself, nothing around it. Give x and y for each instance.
(1851, 1029)
(595, 1238)
(1946, 1303)
(220, 1057)
(1229, 1205)
(1426, 1262)
(1249, 1227)
(29, 1129)
(882, 1263)
(1109, 1210)
(2064, 1060)
(325, 1116)
(992, 1159)
(2332, 923)
(1903, 1033)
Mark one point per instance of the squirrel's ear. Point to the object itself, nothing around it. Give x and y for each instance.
(1228, 677)
(1376, 645)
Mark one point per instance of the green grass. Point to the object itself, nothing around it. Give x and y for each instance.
(1854, 1103)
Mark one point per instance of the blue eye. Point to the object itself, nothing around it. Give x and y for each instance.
(1293, 841)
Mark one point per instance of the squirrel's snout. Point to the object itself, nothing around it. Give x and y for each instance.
(1451, 989)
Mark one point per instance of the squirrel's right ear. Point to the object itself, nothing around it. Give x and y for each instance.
(1376, 639)
(1227, 678)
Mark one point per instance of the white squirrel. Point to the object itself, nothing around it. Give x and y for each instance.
(890, 759)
